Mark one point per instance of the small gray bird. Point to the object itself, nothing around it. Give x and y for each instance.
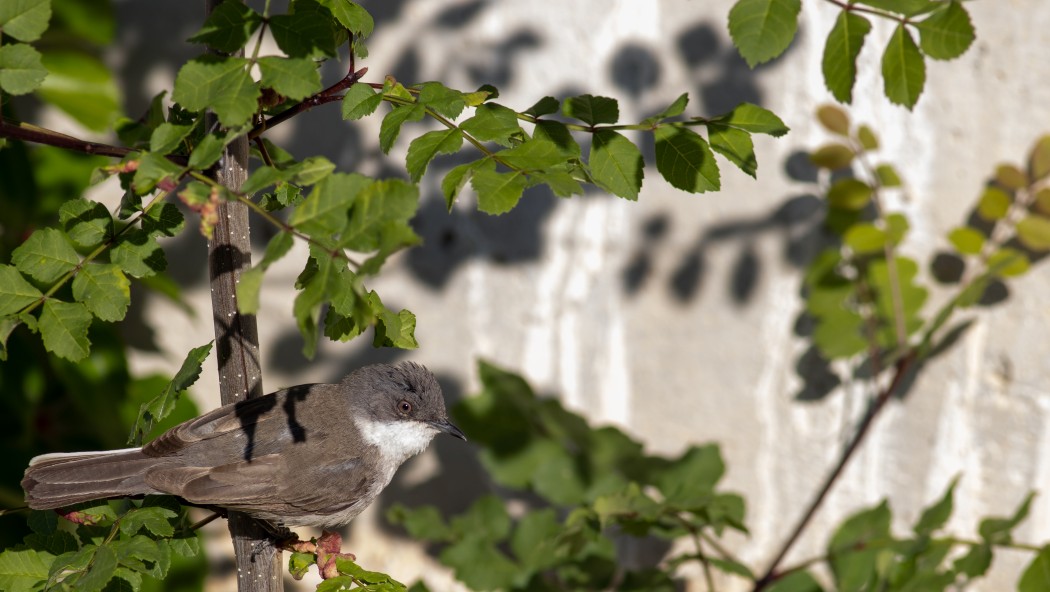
(310, 455)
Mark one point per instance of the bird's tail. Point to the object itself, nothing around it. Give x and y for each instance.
(64, 479)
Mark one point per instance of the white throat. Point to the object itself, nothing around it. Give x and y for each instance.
(397, 441)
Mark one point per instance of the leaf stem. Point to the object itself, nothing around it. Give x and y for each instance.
(851, 7)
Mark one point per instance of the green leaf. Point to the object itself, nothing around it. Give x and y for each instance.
(1008, 262)
(903, 69)
(838, 334)
(306, 33)
(163, 219)
(867, 138)
(903, 7)
(351, 15)
(159, 407)
(685, 160)
(292, 77)
(1011, 177)
(138, 254)
(735, 145)
(326, 210)
(937, 515)
(754, 119)
(966, 240)
(994, 204)
(1039, 159)
(24, 570)
(209, 150)
(849, 194)
(832, 156)
(389, 200)
(560, 183)
(104, 289)
(798, 581)
(45, 256)
(592, 110)
(391, 126)
(693, 475)
(221, 84)
(853, 561)
(81, 85)
(87, 223)
(534, 154)
(25, 20)
(228, 27)
(154, 170)
(360, 100)
(493, 122)
(251, 280)
(15, 292)
(155, 519)
(840, 55)
(169, 136)
(1036, 576)
(834, 119)
(616, 164)
(1034, 232)
(947, 33)
(544, 106)
(100, 571)
(887, 176)
(674, 109)
(999, 531)
(455, 179)
(441, 99)
(558, 133)
(21, 69)
(395, 329)
(423, 523)
(63, 327)
(311, 170)
(763, 29)
(976, 562)
(424, 148)
(865, 239)
(498, 193)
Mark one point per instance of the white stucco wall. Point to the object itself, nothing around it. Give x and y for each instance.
(701, 347)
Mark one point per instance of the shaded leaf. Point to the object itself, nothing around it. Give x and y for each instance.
(295, 78)
(498, 193)
(360, 100)
(221, 84)
(228, 27)
(138, 254)
(544, 106)
(305, 33)
(424, 148)
(169, 136)
(24, 570)
(849, 194)
(754, 119)
(351, 15)
(735, 145)
(763, 29)
(1036, 577)
(15, 292)
(45, 256)
(685, 160)
(81, 85)
(616, 164)
(533, 154)
(104, 289)
(391, 125)
(326, 210)
(159, 407)
(63, 327)
(592, 110)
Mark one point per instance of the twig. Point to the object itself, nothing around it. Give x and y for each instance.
(902, 367)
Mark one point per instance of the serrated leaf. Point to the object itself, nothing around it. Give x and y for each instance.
(101, 569)
(138, 254)
(25, 20)
(154, 519)
(424, 148)
(754, 119)
(15, 292)
(389, 200)
(395, 329)
(263, 177)
(685, 160)
(45, 256)
(228, 27)
(849, 194)
(903, 69)
(561, 183)
(947, 33)
(832, 156)
(326, 210)
(305, 33)
(87, 223)
(762, 29)
(616, 164)
(63, 327)
(351, 15)
(592, 110)
(493, 123)
(498, 193)
(311, 170)
(455, 179)
(839, 63)
(24, 570)
(532, 155)
(360, 100)
(544, 106)
(966, 240)
(163, 219)
(21, 69)
(834, 119)
(169, 136)
(1034, 232)
(221, 84)
(159, 407)
(441, 99)
(294, 78)
(392, 122)
(558, 133)
(208, 151)
(674, 109)
(104, 289)
(154, 170)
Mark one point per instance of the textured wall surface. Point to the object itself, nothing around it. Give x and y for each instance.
(674, 317)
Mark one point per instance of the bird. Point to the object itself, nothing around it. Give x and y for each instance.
(313, 455)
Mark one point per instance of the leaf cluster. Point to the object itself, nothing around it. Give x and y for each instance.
(763, 30)
(597, 485)
(107, 551)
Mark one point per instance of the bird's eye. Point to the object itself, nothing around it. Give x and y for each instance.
(404, 406)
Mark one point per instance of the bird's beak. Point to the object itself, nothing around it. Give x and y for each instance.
(449, 428)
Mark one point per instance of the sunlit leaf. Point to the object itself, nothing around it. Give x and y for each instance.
(840, 55)
(903, 69)
(763, 29)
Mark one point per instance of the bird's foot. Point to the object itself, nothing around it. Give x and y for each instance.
(326, 549)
